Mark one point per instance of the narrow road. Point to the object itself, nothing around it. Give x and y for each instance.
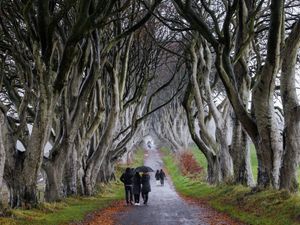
(164, 207)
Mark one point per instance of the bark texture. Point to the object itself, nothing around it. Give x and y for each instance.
(290, 101)
(270, 143)
(2, 151)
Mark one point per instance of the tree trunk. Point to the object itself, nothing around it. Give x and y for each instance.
(80, 180)
(24, 166)
(223, 154)
(226, 164)
(54, 186)
(89, 179)
(289, 169)
(29, 166)
(21, 195)
(14, 188)
(106, 172)
(270, 143)
(14, 196)
(80, 167)
(214, 174)
(55, 168)
(93, 168)
(291, 107)
(70, 174)
(96, 159)
(240, 152)
(2, 151)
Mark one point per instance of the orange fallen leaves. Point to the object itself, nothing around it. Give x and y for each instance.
(106, 216)
(210, 215)
(188, 164)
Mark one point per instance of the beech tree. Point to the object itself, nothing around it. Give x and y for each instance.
(170, 124)
(2, 150)
(214, 146)
(46, 36)
(216, 29)
(291, 107)
(82, 80)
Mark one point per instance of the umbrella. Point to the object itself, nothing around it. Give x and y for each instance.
(144, 169)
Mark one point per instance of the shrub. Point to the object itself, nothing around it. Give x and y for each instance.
(188, 164)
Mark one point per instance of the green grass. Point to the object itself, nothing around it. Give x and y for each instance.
(72, 208)
(269, 207)
(200, 158)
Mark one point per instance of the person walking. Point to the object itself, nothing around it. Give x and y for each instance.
(146, 187)
(157, 177)
(126, 178)
(136, 188)
(162, 176)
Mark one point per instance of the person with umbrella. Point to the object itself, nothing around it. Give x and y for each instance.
(145, 180)
(126, 178)
(136, 188)
(146, 187)
(143, 169)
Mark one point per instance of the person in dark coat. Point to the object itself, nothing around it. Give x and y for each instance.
(126, 178)
(157, 177)
(146, 188)
(137, 188)
(162, 176)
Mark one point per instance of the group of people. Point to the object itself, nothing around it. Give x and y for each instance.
(135, 185)
(160, 177)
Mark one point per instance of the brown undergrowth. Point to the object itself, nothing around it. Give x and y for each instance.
(105, 216)
(210, 215)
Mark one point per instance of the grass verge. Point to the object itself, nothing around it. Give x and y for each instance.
(200, 158)
(269, 207)
(72, 209)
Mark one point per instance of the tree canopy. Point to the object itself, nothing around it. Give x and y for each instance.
(83, 82)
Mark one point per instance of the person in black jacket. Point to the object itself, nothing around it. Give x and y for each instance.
(162, 176)
(146, 188)
(136, 188)
(157, 177)
(126, 178)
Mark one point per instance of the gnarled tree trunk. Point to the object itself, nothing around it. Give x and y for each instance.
(240, 152)
(106, 172)
(2, 151)
(70, 174)
(32, 157)
(270, 143)
(291, 107)
(54, 186)
(96, 159)
(214, 173)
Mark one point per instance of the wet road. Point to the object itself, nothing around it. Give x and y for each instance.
(165, 206)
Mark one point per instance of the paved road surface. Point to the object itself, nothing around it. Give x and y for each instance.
(165, 206)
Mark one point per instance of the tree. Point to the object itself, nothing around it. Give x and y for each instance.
(46, 36)
(263, 131)
(214, 146)
(291, 106)
(2, 151)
